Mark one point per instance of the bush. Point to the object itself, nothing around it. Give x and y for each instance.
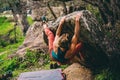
(107, 74)
(2, 19)
(3, 43)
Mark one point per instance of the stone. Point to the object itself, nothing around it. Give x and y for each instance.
(90, 35)
(33, 40)
(78, 72)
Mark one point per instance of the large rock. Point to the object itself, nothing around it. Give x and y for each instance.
(34, 40)
(90, 34)
(90, 28)
(78, 72)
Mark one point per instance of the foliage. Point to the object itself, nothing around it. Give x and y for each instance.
(5, 28)
(107, 74)
(17, 65)
(30, 21)
(95, 12)
(5, 25)
(6, 47)
(31, 60)
(7, 34)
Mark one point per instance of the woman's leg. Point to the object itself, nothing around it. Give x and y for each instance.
(77, 50)
(50, 36)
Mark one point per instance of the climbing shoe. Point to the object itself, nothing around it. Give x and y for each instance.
(43, 18)
(51, 66)
(54, 66)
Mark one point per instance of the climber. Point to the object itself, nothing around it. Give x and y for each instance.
(62, 49)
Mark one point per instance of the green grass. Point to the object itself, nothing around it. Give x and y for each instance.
(11, 47)
(16, 65)
(5, 25)
(107, 74)
(7, 64)
(95, 11)
(28, 63)
(30, 21)
(32, 59)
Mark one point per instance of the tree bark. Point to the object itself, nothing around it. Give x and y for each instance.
(51, 11)
(20, 9)
(64, 8)
(22, 12)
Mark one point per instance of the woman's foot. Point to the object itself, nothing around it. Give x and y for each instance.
(54, 65)
(45, 25)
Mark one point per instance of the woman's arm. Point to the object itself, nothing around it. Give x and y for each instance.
(75, 37)
(58, 32)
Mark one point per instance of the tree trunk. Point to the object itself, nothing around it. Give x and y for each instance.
(51, 11)
(24, 22)
(20, 8)
(64, 8)
(22, 12)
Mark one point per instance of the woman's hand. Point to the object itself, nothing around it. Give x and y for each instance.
(62, 20)
(78, 16)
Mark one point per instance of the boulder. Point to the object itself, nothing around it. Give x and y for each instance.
(90, 34)
(33, 40)
(90, 28)
(78, 72)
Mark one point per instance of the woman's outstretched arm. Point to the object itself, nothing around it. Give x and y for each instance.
(58, 32)
(75, 37)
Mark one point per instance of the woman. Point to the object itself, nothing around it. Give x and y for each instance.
(60, 48)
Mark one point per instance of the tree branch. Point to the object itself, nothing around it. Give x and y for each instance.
(48, 5)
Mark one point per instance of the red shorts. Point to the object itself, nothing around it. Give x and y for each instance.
(51, 37)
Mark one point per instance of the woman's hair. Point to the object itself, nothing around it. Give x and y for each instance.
(64, 41)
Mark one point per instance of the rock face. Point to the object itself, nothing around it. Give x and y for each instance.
(89, 26)
(34, 39)
(78, 72)
(90, 35)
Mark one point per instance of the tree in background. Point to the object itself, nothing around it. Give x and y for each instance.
(17, 7)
